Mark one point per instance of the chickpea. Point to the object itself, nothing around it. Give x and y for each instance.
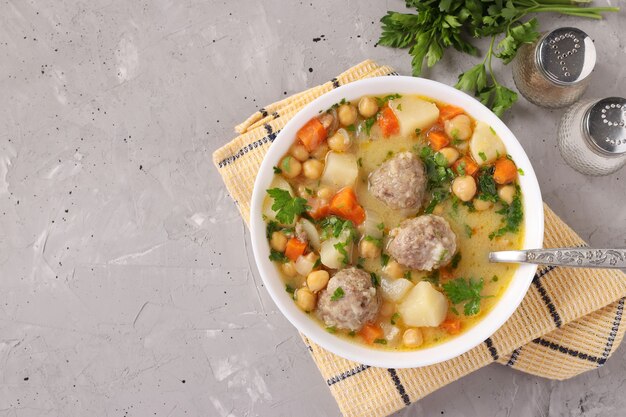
(387, 309)
(394, 269)
(278, 241)
(506, 193)
(464, 187)
(346, 114)
(312, 169)
(450, 154)
(412, 338)
(325, 193)
(299, 152)
(317, 280)
(320, 152)
(368, 107)
(290, 166)
(326, 120)
(289, 269)
(482, 205)
(340, 141)
(305, 299)
(368, 249)
(459, 127)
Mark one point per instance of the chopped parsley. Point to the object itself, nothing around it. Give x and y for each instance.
(438, 174)
(351, 128)
(271, 227)
(487, 190)
(285, 164)
(380, 341)
(291, 290)
(380, 226)
(494, 278)
(351, 333)
(520, 171)
(407, 275)
(338, 294)
(454, 263)
(277, 170)
(375, 279)
(418, 131)
(341, 248)
(368, 125)
(375, 241)
(482, 156)
(465, 291)
(276, 256)
(513, 215)
(331, 329)
(286, 206)
(333, 226)
(399, 107)
(382, 101)
(468, 230)
(433, 277)
(384, 259)
(395, 318)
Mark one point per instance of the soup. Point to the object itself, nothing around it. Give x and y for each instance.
(381, 216)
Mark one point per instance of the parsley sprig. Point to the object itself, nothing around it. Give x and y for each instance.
(287, 208)
(439, 25)
(465, 291)
(438, 174)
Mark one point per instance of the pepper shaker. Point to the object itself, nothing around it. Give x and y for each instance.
(592, 136)
(554, 70)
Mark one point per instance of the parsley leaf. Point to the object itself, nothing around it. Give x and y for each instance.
(513, 216)
(382, 101)
(375, 241)
(380, 341)
(375, 279)
(487, 189)
(439, 176)
(277, 170)
(338, 294)
(285, 206)
(368, 125)
(454, 263)
(334, 226)
(467, 291)
(516, 36)
(395, 318)
(384, 259)
(276, 256)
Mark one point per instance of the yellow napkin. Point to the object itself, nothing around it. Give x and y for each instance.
(568, 323)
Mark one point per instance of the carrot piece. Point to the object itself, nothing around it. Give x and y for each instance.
(505, 172)
(345, 205)
(388, 122)
(447, 112)
(452, 325)
(469, 166)
(319, 208)
(312, 134)
(370, 332)
(295, 248)
(438, 140)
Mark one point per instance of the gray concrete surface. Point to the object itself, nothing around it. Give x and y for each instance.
(127, 286)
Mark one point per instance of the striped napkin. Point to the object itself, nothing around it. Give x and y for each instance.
(568, 323)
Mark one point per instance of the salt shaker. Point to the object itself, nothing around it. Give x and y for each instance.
(554, 70)
(592, 135)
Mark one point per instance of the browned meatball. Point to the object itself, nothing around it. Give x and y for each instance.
(358, 304)
(400, 182)
(423, 243)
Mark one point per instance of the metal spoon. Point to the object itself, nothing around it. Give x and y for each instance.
(570, 257)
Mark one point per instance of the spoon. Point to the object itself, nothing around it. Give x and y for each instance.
(570, 257)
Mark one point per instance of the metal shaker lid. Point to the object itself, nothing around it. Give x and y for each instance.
(566, 55)
(605, 125)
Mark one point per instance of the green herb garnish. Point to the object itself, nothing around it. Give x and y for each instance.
(375, 241)
(331, 329)
(468, 231)
(276, 256)
(482, 156)
(277, 170)
(384, 259)
(395, 318)
(337, 295)
(513, 215)
(286, 206)
(438, 174)
(382, 101)
(465, 291)
(375, 279)
(487, 190)
(380, 341)
(333, 226)
(454, 263)
(368, 125)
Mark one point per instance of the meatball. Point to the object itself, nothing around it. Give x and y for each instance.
(400, 182)
(423, 243)
(358, 304)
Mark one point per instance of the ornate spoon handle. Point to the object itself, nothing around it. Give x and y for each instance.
(571, 257)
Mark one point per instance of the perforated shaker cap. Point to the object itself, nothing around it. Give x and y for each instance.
(605, 125)
(566, 55)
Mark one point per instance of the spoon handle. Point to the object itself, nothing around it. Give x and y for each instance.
(570, 257)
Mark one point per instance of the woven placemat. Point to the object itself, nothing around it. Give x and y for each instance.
(568, 323)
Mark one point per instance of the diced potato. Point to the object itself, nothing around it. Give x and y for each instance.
(312, 233)
(341, 170)
(395, 289)
(414, 113)
(277, 182)
(330, 256)
(485, 145)
(391, 332)
(423, 306)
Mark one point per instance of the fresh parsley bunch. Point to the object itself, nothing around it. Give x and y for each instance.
(441, 24)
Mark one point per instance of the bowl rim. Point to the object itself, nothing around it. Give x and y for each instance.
(500, 312)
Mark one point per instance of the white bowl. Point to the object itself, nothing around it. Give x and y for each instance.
(533, 225)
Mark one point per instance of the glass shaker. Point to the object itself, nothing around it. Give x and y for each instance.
(592, 136)
(554, 71)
